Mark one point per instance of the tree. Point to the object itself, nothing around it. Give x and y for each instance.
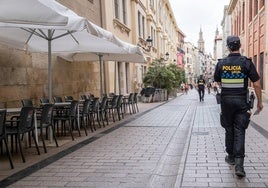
(163, 76)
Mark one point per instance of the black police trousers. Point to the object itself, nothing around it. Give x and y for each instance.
(235, 120)
(201, 92)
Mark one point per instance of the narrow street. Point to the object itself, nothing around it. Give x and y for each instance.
(177, 144)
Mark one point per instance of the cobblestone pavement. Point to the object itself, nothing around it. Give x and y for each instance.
(178, 144)
(204, 165)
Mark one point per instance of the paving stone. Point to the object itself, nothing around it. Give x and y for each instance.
(179, 144)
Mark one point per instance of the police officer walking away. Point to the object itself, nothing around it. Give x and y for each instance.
(201, 88)
(233, 73)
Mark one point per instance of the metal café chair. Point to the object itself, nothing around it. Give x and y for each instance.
(119, 107)
(94, 112)
(84, 115)
(128, 102)
(68, 98)
(57, 99)
(22, 125)
(112, 106)
(3, 135)
(44, 101)
(46, 121)
(103, 115)
(68, 118)
(27, 102)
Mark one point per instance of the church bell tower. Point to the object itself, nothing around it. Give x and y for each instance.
(201, 43)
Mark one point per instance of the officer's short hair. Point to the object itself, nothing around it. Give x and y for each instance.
(233, 42)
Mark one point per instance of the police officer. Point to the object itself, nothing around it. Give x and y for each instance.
(233, 73)
(201, 88)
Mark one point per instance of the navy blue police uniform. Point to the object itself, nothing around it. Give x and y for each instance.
(201, 88)
(233, 72)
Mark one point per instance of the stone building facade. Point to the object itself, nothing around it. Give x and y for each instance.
(226, 30)
(24, 74)
(249, 22)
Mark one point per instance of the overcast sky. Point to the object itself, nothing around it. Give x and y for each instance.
(191, 15)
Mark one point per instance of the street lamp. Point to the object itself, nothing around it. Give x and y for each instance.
(147, 44)
(166, 57)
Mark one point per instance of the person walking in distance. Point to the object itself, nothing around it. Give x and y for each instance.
(209, 87)
(201, 88)
(232, 73)
(186, 88)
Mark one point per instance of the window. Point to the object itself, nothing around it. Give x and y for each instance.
(160, 10)
(261, 69)
(120, 10)
(139, 23)
(152, 35)
(154, 41)
(255, 60)
(152, 4)
(256, 7)
(116, 9)
(124, 12)
(250, 10)
(239, 23)
(262, 3)
(143, 27)
(243, 16)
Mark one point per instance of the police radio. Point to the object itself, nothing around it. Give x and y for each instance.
(251, 100)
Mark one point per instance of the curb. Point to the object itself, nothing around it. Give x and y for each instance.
(179, 178)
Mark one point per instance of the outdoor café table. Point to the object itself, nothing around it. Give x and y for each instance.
(17, 111)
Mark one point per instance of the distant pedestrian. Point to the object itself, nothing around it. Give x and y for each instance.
(209, 87)
(182, 87)
(233, 73)
(201, 87)
(186, 88)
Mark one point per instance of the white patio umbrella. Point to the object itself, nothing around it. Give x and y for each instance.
(131, 54)
(48, 26)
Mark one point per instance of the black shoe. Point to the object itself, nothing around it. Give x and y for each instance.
(239, 167)
(240, 172)
(230, 160)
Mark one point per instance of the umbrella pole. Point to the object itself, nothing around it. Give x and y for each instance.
(119, 78)
(100, 59)
(49, 75)
(115, 71)
(104, 77)
(49, 68)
